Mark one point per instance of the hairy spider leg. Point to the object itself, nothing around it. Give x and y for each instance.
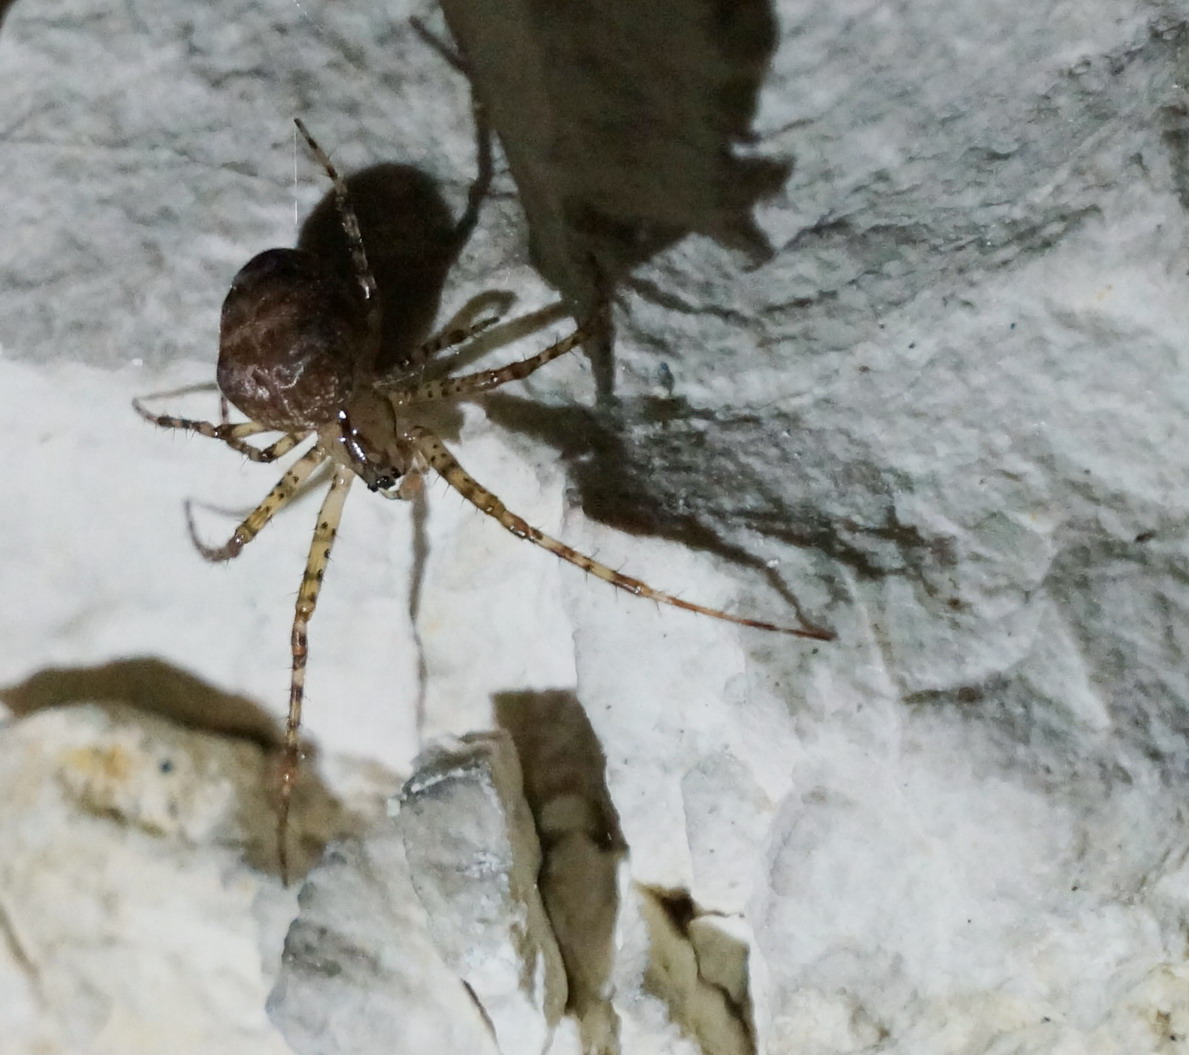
(447, 466)
(491, 302)
(307, 599)
(459, 330)
(450, 335)
(277, 449)
(363, 271)
(486, 380)
(232, 435)
(185, 390)
(274, 501)
(453, 333)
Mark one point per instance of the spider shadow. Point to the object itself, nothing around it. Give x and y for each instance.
(412, 241)
(612, 482)
(582, 843)
(614, 163)
(151, 686)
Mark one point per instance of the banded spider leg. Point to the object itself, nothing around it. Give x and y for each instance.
(297, 355)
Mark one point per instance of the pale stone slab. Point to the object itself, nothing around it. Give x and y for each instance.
(474, 858)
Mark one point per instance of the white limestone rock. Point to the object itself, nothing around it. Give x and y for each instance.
(131, 915)
(473, 860)
(360, 973)
(949, 413)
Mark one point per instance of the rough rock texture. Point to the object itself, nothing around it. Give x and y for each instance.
(946, 417)
(360, 972)
(137, 908)
(473, 858)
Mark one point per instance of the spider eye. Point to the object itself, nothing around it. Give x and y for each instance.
(385, 482)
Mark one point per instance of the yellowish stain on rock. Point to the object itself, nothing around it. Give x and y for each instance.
(108, 762)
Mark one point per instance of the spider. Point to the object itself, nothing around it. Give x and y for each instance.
(298, 346)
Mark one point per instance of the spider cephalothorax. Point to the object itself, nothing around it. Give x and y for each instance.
(295, 351)
(297, 345)
(297, 355)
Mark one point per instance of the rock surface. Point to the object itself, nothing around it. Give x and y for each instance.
(946, 417)
(473, 859)
(137, 909)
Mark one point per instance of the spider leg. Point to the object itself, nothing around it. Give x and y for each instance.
(460, 329)
(486, 380)
(307, 598)
(223, 431)
(454, 332)
(185, 390)
(232, 435)
(465, 323)
(274, 501)
(446, 465)
(273, 451)
(363, 271)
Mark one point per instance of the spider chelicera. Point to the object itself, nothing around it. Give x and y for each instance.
(298, 347)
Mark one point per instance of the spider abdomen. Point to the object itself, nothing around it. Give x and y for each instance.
(291, 335)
